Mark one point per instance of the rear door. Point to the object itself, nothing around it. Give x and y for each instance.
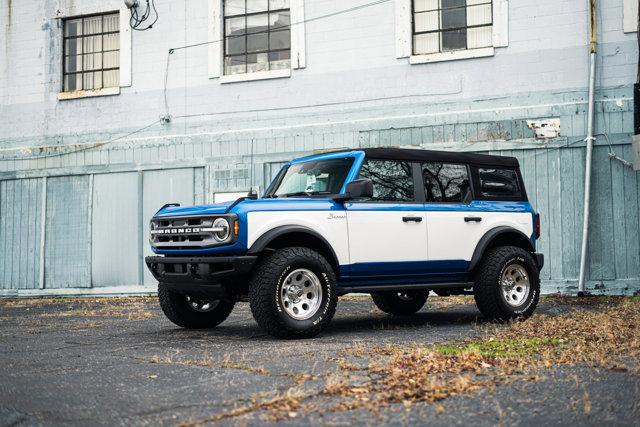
(454, 225)
(457, 220)
(387, 234)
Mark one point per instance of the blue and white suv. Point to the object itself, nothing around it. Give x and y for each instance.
(395, 223)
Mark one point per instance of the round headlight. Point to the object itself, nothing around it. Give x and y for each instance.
(223, 229)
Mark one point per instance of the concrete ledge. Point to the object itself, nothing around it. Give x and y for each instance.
(64, 96)
(260, 75)
(567, 287)
(80, 292)
(451, 56)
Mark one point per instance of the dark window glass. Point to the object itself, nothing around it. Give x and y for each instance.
(446, 25)
(392, 180)
(91, 52)
(498, 183)
(445, 183)
(454, 39)
(257, 36)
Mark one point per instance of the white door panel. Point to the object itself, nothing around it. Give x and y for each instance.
(332, 225)
(383, 236)
(451, 238)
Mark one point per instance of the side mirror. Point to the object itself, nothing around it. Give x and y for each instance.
(360, 189)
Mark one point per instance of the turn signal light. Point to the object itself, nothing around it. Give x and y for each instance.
(236, 227)
(537, 226)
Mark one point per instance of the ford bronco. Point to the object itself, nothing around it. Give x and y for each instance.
(394, 223)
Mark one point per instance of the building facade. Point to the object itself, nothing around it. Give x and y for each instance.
(101, 124)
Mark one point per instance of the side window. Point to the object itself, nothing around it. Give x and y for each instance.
(446, 183)
(392, 180)
(499, 183)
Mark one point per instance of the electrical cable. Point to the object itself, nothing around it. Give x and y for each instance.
(291, 24)
(135, 21)
(83, 148)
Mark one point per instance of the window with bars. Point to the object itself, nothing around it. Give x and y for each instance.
(257, 36)
(448, 25)
(91, 52)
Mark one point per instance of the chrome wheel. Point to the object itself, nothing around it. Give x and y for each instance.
(515, 284)
(201, 305)
(301, 294)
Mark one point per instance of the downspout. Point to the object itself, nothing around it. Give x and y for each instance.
(589, 140)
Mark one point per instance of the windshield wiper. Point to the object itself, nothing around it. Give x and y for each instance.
(304, 193)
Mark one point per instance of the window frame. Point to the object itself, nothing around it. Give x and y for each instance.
(469, 177)
(441, 30)
(102, 51)
(268, 33)
(404, 35)
(216, 50)
(79, 9)
(477, 192)
(418, 196)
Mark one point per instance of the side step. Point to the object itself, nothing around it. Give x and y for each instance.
(342, 290)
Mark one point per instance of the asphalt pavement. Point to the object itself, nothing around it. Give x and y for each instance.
(120, 362)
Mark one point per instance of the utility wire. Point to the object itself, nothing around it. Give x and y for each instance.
(82, 148)
(315, 18)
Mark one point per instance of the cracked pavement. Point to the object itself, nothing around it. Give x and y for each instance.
(120, 362)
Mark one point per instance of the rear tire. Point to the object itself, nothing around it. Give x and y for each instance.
(193, 312)
(402, 303)
(507, 284)
(292, 293)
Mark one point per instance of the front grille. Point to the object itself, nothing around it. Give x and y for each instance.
(185, 232)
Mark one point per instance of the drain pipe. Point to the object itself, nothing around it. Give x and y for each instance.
(589, 140)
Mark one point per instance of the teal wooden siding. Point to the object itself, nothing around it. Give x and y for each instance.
(98, 203)
(20, 234)
(67, 245)
(114, 230)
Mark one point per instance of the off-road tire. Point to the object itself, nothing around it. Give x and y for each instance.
(265, 287)
(177, 309)
(392, 303)
(487, 289)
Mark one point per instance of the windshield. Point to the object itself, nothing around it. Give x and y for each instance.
(311, 178)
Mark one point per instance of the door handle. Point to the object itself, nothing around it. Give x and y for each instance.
(472, 218)
(411, 218)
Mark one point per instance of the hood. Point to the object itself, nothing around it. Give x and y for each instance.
(215, 209)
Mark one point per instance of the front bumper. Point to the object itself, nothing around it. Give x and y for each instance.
(206, 274)
(539, 260)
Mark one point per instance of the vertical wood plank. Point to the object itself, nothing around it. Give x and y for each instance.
(570, 259)
(542, 199)
(619, 219)
(555, 210)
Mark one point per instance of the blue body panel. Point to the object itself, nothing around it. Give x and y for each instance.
(353, 274)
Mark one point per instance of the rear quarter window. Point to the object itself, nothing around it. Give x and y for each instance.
(499, 183)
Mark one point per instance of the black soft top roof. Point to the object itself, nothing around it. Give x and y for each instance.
(440, 156)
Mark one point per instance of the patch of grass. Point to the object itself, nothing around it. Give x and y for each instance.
(499, 348)
(354, 298)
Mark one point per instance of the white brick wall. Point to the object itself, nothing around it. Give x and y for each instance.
(349, 58)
